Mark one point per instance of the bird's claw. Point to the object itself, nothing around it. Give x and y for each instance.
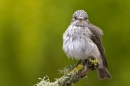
(92, 63)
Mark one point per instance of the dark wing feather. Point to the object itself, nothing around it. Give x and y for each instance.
(96, 38)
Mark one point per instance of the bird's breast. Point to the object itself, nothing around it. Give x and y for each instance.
(77, 42)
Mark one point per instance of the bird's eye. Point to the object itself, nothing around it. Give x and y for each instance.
(75, 18)
(86, 18)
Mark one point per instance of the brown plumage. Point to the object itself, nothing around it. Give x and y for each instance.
(96, 38)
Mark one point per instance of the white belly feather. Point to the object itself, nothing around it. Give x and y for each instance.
(77, 43)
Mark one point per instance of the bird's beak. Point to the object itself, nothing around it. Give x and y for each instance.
(81, 19)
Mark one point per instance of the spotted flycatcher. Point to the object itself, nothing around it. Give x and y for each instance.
(83, 39)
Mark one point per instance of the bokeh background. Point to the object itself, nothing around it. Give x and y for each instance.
(31, 39)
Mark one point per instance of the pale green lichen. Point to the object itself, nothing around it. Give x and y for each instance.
(69, 77)
(72, 74)
(44, 81)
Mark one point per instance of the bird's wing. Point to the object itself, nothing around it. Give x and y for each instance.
(96, 38)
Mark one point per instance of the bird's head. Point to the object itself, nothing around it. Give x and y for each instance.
(80, 18)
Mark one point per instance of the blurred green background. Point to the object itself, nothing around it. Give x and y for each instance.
(31, 39)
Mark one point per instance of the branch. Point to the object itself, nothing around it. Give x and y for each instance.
(72, 73)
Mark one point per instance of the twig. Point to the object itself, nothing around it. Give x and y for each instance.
(72, 74)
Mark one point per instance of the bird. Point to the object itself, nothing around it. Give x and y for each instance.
(82, 40)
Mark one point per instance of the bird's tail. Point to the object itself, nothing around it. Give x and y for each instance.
(103, 73)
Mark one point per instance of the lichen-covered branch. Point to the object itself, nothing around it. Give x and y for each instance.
(72, 74)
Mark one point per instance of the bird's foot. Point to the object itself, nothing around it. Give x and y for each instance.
(92, 63)
(78, 63)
